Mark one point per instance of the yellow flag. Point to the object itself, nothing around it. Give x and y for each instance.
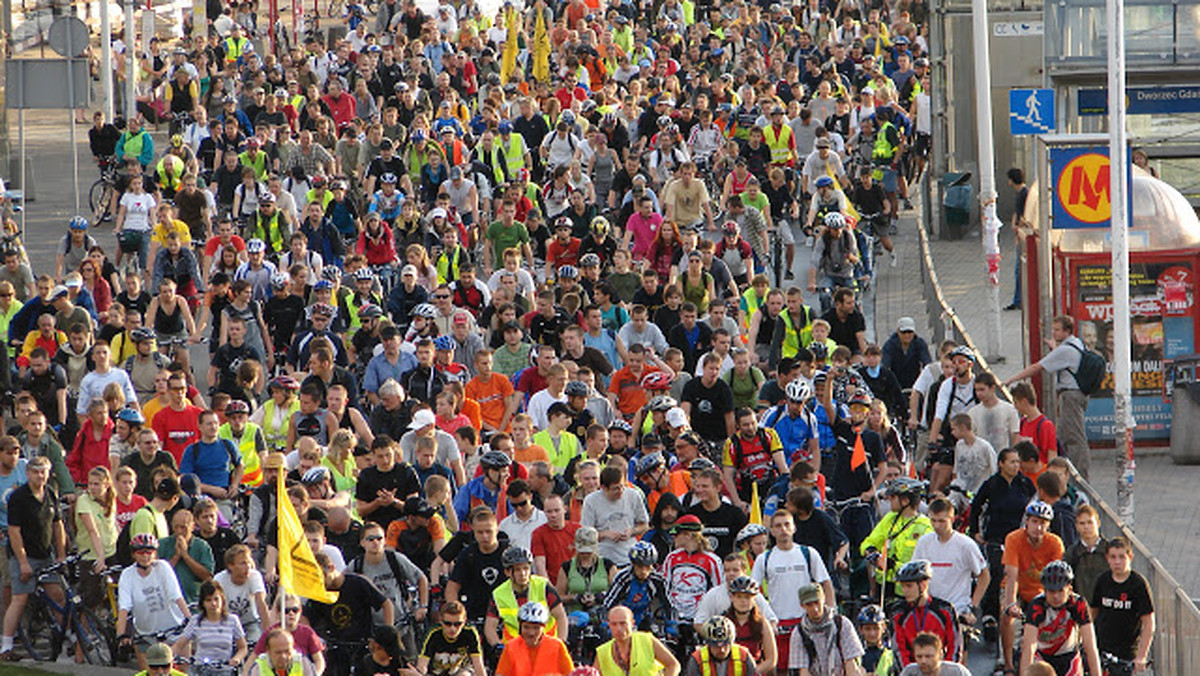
(541, 49)
(509, 61)
(755, 505)
(298, 569)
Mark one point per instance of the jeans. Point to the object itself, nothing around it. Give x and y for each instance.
(1016, 299)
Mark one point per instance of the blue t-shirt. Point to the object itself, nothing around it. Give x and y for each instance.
(7, 485)
(213, 463)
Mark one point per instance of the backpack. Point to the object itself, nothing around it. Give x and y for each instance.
(735, 447)
(393, 563)
(947, 437)
(124, 554)
(1092, 369)
(1059, 447)
(811, 648)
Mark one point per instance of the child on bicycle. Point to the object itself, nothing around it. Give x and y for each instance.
(1058, 628)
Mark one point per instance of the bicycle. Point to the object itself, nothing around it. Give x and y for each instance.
(100, 195)
(197, 667)
(1115, 666)
(46, 625)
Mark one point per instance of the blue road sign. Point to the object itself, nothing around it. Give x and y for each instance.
(1030, 111)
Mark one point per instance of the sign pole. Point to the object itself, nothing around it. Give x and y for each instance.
(130, 63)
(1123, 422)
(987, 173)
(106, 74)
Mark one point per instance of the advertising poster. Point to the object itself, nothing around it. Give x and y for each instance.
(1161, 299)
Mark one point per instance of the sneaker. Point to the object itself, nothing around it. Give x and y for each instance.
(1011, 306)
(808, 241)
(895, 259)
(789, 275)
(908, 205)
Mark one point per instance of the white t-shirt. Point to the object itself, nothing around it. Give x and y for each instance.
(948, 669)
(539, 404)
(973, 464)
(151, 600)
(785, 572)
(716, 601)
(996, 424)
(139, 207)
(955, 563)
(520, 533)
(954, 398)
(603, 514)
(240, 600)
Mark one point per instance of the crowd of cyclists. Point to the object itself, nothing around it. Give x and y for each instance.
(530, 360)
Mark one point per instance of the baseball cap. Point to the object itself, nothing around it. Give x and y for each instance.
(587, 540)
(58, 292)
(688, 522)
(809, 592)
(408, 270)
(417, 506)
(422, 418)
(824, 142)
(906, 324)
(159, 655)
(677, 418)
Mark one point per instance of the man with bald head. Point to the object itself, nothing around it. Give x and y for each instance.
(633, 652)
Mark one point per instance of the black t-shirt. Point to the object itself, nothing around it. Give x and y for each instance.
(140, 303)
(847, 483)
(478, 575)
(709, 406)
(220, 542)
(548, 331)
(652, 302)
(845, 332)
(401, 479)
(35, 518)
(1120, 607)
(446, 657)
(145, 471)
(721, 525)
(380, 166)
(228, 359)
(45, 387)
(348, 618)
(283, 316)
(822, 533)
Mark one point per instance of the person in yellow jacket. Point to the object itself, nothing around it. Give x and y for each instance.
(633, 653)
(501, 625)
(248, 438)
(720, 656)
(890, 545)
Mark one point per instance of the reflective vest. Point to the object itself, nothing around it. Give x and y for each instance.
(269, 231)
(258, 163)
(641, 657)
(507, 606)
(277, 436)
(234, 48)
(296, 668)
(752, 303)
(791, 336)
(297, 102)
(492, 160)
(447, 265)
(560, 456)
(170, 181)
(736, 657)
(883, 150)
(778, 142)
(514, 153)
(252, 476)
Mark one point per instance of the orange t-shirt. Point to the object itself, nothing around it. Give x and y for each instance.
(628, 388)
(490, 397)
(530, 454)
(548, 658)
(436, 528)
(1029, 562)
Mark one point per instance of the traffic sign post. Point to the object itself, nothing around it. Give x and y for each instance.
(1030, 111)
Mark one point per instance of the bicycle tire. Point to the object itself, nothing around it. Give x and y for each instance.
(36, 632)
(99, 199)
(97, 639)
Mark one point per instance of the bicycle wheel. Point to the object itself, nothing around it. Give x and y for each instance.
(97, 639)
(99, 199)
(36, 632)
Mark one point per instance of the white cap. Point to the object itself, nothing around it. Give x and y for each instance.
(906, 324)
(676, 417)
(422, 418)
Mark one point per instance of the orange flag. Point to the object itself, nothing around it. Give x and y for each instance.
(502, 502)
(859, 457)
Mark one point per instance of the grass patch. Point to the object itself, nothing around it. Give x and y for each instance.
(21, 670)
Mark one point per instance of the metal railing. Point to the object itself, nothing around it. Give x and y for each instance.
(1176, 646)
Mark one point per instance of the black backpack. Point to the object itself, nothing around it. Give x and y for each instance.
(1092, 369)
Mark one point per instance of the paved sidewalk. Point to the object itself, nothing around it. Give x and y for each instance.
(1168, 516)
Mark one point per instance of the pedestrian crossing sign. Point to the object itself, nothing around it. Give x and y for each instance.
(1030, 111)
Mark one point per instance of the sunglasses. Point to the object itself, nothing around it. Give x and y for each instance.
(374, 538)
(293, 610)
(441, 297)
(520, 504)
(452, 624)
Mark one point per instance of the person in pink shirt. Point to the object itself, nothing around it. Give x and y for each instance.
(641, 228)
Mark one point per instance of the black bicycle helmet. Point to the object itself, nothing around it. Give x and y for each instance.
(1057, 575)
(515, 556)
(915, 571)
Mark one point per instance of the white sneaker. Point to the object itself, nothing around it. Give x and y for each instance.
(895, 259)
(808, 241)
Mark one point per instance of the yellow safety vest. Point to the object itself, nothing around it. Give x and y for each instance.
(736, 655)
(752, 303)
(173, 180)
(506, 605)
(296, 668)
(234, 48)
(252, 476)
(514, 153)
(641, 657)
(568, 447)
(276, 437)
(269, 231)
(791, 336)
(777, 141)
(883, 149)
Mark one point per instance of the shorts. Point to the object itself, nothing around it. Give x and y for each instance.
(14, 570)
(921, 145)
(890, 180)
(5, 573)
(785, 232)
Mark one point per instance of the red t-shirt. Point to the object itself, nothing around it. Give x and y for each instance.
(305, 639)
(176, 430)
(125, 511)
(1045, 436)
(559, 254)
(214, 243)
(558, 546)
